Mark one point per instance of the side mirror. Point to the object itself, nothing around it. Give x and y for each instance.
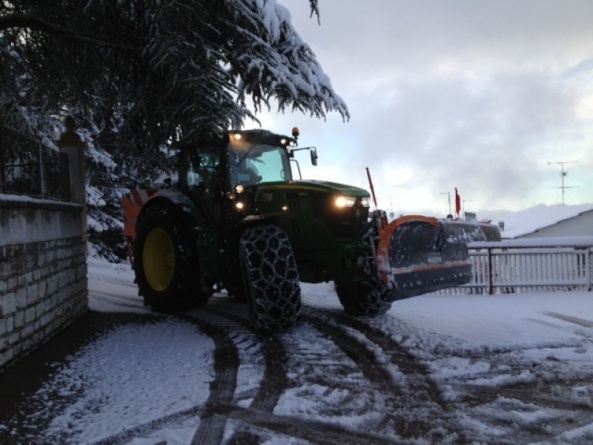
(313, 152)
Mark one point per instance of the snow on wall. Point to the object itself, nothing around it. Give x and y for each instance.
(43, 272)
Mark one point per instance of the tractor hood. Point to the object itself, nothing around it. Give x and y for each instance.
(312, 186)
(337, 210)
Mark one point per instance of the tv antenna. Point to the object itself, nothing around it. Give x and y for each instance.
(562, 175)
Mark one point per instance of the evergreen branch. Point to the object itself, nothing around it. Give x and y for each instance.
(34, 23)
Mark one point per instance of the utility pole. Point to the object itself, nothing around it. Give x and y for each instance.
(562, 175)
(449, 200)
(391, 214)
(463, 204)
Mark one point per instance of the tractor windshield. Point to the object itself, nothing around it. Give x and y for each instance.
(254, 162)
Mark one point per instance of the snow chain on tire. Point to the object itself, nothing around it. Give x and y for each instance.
(271, 278)
(368, 296)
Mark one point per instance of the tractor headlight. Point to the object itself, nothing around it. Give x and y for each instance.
(365, 202)
(344, 201)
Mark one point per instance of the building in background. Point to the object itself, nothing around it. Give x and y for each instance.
(549, 221)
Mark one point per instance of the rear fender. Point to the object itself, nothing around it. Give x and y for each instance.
(191, 214)
(256, 220)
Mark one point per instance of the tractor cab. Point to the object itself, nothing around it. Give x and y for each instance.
(257, 156)
(242, 158)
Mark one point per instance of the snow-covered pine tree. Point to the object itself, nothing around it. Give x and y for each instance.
(141, 74)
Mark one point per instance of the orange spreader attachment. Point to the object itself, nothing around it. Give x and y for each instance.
(132, 205)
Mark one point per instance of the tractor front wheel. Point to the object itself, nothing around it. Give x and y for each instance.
(367, 298)
(271, 278)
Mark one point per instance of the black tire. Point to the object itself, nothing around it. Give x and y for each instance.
(367, 296)
(271, 278)
(166, 262)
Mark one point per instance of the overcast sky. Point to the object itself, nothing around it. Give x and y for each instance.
(486, 96)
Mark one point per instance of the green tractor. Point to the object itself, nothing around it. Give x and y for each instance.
(235, 218)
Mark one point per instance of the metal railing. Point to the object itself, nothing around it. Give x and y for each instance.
(29, 168)
(530, 265)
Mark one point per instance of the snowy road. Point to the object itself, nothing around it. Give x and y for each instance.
(509, 369)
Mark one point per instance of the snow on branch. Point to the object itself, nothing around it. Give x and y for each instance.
(271, 61)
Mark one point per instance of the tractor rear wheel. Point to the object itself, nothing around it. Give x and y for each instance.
(271, 278)
(166, 262)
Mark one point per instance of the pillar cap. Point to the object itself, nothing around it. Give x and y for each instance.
(70, 138)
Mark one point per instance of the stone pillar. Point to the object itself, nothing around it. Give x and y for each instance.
(71, 144)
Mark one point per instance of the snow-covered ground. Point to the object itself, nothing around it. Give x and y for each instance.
(450, 369)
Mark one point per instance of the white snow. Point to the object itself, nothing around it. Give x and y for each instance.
(122, 379)
(29, 199)
(559, 241)
(163, 368)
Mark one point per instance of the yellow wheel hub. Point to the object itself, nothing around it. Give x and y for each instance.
(158, 258)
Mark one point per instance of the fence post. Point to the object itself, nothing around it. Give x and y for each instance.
(2, 168)
(490, 272)
(590, 268)
(42, 172)
(71, 144)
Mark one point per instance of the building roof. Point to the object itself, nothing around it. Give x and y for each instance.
(535, 218)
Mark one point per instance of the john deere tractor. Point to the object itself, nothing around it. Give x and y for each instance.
(237, 219)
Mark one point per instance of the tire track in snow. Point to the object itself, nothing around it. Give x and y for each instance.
(571, 319)
(320, 433)
(521, 415)
(415, 409)
(222, 390)
(418, 375)
(414, 376)
(476, 408)
(260, 414)
(382, 363)
(270, 388)
(522, 392)
(393, 370)
(274, 355)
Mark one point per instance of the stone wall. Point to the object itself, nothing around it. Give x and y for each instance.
(43, 272)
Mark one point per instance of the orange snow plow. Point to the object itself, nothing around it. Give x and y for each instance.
(419, 254)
